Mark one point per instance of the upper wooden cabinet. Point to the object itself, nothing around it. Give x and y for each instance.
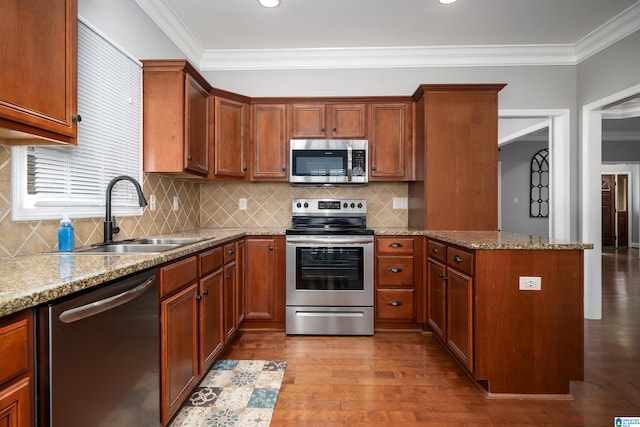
(175, 118)
(390, 142)
(38, 88)
(456, 160)
(269, 142)
(230, 129)
(322, 120)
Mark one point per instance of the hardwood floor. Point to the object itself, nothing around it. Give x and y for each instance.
(407, 379)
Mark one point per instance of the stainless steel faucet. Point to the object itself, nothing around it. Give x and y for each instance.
(109, 224)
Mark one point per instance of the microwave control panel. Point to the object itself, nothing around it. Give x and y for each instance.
(359, 163)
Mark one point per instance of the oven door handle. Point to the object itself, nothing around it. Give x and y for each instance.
(328, 242)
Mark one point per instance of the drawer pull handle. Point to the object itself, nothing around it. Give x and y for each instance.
(395, 303)
(434, 250)
(395, 270)
(231, 252)
(457, 258)
(395, 245)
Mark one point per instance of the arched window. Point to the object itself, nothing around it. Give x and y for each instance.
(539, 204)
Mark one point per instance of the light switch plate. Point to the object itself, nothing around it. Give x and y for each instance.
(176, 203)
(242, 204)
(152, 202)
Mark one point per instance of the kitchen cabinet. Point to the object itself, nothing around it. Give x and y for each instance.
(210, 317)
(398, 280)
(230, 132)
(269, 142)
(509, 340)
(230, 321)
(265, 282)
(38, 88)
(456, 160)
(240, 288)
(179, 334)
(390, 142)
(329, 121)
(16, 370)
(175, 119)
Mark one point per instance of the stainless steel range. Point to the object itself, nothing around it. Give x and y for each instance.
(329, 268)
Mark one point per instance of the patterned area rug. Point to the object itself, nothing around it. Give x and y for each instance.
(234, 393)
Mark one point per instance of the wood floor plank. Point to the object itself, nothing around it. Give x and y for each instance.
(407, 379)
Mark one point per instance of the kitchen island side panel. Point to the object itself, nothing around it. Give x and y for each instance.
(529, 341)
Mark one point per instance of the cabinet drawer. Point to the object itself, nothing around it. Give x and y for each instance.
(229, 252)
(14, 349)
(395, 246)
(210, 260)
(395, 271)
(177, 275)
(460, 260)
(436, 250)
(394, 304)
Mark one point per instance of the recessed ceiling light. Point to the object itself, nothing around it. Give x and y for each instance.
(269, 3)
(446, 1)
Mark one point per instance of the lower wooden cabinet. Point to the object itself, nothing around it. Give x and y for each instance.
(212, 337)
(16, 370)
(265, 281)
(398, 281)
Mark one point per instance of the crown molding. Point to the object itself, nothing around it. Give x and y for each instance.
(166, 18)
(617, 28)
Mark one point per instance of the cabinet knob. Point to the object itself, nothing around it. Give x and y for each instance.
(205, 292)
(244, 169)
(232, 251)
(228, 276)
(335, 129)
(395, 270)
(395, 245)
(270, 248)
(443, 277)
(322, 129)
(457, 258)
(76, 118)
(434, 250)
(395, 303)
(189, 157)
(284, 169)
(198, 297)
(373, 168)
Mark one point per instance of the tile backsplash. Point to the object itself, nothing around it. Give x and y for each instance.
(211, 204)
(29, 237)
(269, 204)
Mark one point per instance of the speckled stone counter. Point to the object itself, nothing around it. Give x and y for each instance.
(32, 280)
(36, 279)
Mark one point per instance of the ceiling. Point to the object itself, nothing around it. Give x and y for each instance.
(241, 34)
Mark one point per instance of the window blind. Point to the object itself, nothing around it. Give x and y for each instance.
(109, 135)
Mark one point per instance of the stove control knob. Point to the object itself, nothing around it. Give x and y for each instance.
(359, 205)
(298, 205)
(346, 205)
(306, 205)
(353, 205)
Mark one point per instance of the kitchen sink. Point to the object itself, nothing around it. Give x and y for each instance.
(166, 240)
(127, 248)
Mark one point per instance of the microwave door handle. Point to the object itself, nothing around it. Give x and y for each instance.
(349, 162)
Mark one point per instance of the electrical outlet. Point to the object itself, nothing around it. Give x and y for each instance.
(152, 202)
(528, 283)
(242, 204)
(400, 203)
(176, 203)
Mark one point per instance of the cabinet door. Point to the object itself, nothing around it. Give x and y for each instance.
(390, 144)
(211, 309)
(15, 404)
(230, 124)
(229, 301)
(436, 297)
(39, 67)
(260, 280)
(196, 148)
(179, 361)
(270, 148)
(308, 121)
(460, 317)
(240, 273)
(348, 121)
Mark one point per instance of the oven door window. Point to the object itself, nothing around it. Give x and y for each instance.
(319, 162)
(329, 269)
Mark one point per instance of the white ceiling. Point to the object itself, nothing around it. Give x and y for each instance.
(240, 34)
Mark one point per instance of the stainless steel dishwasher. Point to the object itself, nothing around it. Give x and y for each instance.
(98, 356)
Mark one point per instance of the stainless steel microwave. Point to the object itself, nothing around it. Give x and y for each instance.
(328, 161)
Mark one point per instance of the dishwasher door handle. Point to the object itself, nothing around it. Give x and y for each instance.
(97, 307)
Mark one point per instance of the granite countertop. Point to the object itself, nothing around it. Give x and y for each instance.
(32, 280)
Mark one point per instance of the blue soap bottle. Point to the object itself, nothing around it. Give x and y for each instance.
(65, 235)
